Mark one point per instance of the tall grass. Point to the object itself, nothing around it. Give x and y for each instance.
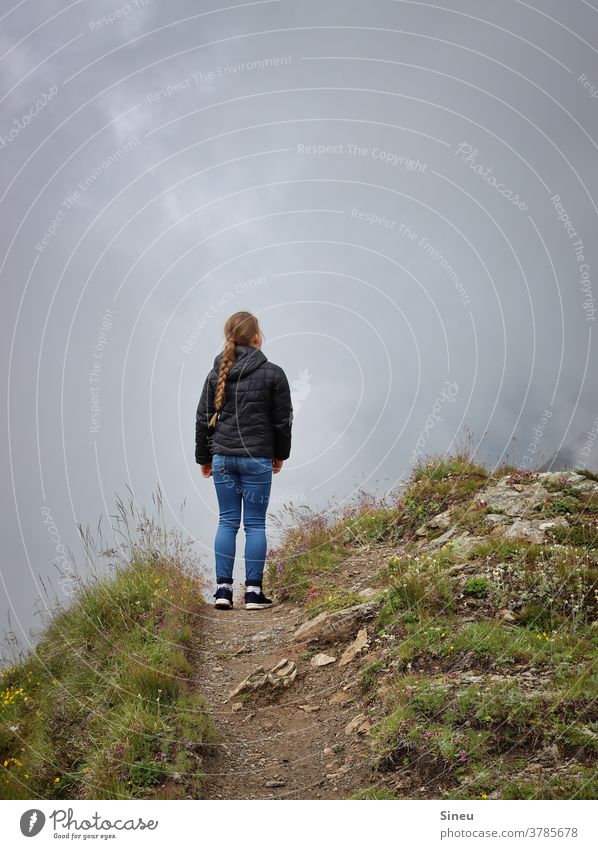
(106, 705)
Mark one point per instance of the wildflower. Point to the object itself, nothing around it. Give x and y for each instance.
(484, 795)
(57, 780)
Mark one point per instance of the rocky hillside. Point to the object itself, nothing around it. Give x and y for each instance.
(437, 643)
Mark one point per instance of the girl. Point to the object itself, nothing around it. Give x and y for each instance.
(242, 436)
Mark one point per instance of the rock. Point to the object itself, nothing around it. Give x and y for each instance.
(217, 669)
(281, 675)
(464, 543)
(577, 482)
(369, 593)
(552, 751)
(421, 531)
(322, 659)
(534, 529)
(439, 541)
(506, 615)
(371, 656)
(497, 519)
(337, 626)
(514, 499)
(339, 698)
(557, 522)
(276, 782)
(525, 529)
(257, 679)
(354, 648)
(584, 485)
(309, 708)
(237, 706)
(284, 672)
(268, 634)
(442, 520)
(358, 725)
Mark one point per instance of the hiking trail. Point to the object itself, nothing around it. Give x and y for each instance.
(306, 740)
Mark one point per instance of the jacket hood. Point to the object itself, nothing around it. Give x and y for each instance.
(247, 360)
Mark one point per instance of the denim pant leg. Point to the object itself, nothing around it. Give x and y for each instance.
(228, 492)
(256, 482)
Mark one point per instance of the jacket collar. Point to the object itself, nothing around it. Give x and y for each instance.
(247, 360)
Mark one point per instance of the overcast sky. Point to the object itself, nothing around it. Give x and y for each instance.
(404, 193)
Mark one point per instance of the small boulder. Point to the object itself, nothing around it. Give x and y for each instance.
(557, 522)
(340, 698)
(322, 659)
(514, 499)
(579, 483)
(354, 648)
(463, 544)
(525, 529)
(442, 520)
(440, 541)
(281, 675)
(337, 626)
(358, 725)
(506, 615)
(497, 519)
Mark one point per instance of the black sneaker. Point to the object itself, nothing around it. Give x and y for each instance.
(224, 598)
(257, 601)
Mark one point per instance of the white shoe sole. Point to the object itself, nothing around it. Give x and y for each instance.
(222, 602)
(255, 606)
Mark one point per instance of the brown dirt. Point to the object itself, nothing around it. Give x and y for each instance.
(275, 738)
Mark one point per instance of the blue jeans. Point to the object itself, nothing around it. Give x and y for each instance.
(245, 480)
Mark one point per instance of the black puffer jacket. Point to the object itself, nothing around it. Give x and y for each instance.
(256, 416)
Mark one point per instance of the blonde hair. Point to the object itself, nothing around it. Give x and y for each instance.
(239, 329)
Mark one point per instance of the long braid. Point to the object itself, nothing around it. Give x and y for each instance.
(239, 328)
(228, 359)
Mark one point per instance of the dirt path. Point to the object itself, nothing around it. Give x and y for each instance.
(293, 745)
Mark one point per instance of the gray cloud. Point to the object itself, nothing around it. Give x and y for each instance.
(188, 152)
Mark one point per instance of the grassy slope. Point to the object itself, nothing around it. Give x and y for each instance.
(105, 706)
(483, 682)
(464, 702)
